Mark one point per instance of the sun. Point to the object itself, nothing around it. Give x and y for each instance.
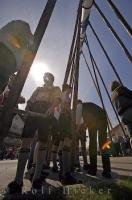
(37, 71)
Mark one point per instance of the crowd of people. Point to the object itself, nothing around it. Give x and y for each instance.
(8, 153)
(121, 146)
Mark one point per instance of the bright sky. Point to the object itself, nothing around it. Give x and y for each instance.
(55, 46)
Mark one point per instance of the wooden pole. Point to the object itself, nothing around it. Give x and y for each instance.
(25, 67)
(75, 85)
(72, 51)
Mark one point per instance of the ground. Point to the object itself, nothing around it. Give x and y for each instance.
(120, 187)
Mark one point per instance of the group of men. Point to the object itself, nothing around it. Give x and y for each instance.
(45, 100)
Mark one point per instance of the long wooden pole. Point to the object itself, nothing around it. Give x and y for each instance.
(75, 85)
(72, 51)
(24, 70)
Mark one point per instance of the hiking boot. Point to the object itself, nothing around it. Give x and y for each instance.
(44, 175)
(77, 169)
(86, 166)
(92, 171)
(46, 167)
(55, 169)
(106, 175)
(37, 186)
(13, 188)
(29, 175)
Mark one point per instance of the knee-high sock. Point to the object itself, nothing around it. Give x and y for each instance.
(22, 159)
(41, 159)
(77, 163)
(66, 157)
(60, 161)
(84, 153)
(32, 169)
(106, 161)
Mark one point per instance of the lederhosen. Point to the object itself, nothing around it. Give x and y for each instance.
(40, 124)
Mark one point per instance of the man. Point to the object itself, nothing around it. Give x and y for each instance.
(95, 120)
(43, 100)
(122, 100)
(65, 121)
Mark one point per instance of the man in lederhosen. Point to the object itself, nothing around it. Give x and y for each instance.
(43, 100)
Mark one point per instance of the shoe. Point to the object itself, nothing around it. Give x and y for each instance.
(37, 186)
(106, 175)
(86, 166)
(92, 171)
(55, 169)
(69, 180)
(29, 175)
(45, 167)
(77, 169)
(13, 188)
(44, 175)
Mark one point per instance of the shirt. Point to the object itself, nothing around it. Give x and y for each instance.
(45, 94)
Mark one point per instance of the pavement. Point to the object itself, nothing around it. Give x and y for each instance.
(121, 169)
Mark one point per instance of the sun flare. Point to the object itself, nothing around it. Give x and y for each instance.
(37, 71)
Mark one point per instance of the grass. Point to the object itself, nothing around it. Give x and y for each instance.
(117, 190)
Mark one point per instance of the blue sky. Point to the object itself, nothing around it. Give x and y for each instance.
(55, 46)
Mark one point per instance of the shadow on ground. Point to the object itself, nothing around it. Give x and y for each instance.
(95, 188)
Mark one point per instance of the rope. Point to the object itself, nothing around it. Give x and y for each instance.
(106, 54)
(120, 17)
(86, 42)
(114, 32)
(94, 82)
